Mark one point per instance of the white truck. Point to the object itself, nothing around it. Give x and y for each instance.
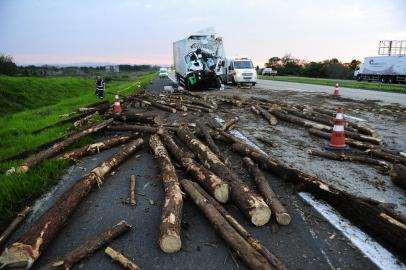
(238, 71)
(387, 69)
(198, 60)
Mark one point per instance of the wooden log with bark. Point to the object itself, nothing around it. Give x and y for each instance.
(266, 141)
(133, 202)
(132, 127)
(137, 117)
(248, 201)
(171, 217)
(125, 262)
(349, 157)
(58, 147)
(272, 120)
(255, 243)
(375, 219)
(255, 110)
(281, 214)
(198, 108)
(88, 248)
(14, 225)
(26, 250)
(283, 115)
(398, 175)
(349, 141)
(204, 129)
(386, 155)
(95, 148)
(218, 188)
(251, 257)
(227, 125)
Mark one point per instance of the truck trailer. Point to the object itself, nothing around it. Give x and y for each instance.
(198, 60)
(387, 69)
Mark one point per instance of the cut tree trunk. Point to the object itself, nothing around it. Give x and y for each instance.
(377, 220)
(266, 141)
(211, 182)
(351, 157)
(204, 129)
(88, 248)
(255, 243)
(58, 147)
(94, 148)
(379, 153)
(171, 216)
(249, 202)
(121, 259)
(281, 214)
(30, 245)
(280, 114)
(252, 258)
(132, 191)
(255, 110)
(83, 121)
(398, 175)
(136, 128)
(14, 225)
(272, 120)
(138, 117)
(198, 108)
(229, 124)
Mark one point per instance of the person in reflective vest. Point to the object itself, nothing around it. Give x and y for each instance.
(99, 87)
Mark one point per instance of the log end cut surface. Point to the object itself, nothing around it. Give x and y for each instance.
(170, 243)
(283, 218)
(260, 215)
(222, 193)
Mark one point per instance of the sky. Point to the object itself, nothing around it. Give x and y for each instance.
(142, 32)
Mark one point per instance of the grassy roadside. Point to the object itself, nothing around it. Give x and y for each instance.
(18, 190)
(350, 84)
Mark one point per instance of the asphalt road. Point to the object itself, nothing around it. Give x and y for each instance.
(359, 94)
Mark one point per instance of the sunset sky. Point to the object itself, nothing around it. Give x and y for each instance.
(142, 32)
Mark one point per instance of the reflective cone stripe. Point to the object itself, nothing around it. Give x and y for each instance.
(117, 106)
(337, 139)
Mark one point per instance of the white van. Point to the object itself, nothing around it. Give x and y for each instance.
(239, 71)
(163, 72)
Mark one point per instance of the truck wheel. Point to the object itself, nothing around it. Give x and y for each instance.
(359, 78)
(253, 84)
(384, 80)
(391, 80)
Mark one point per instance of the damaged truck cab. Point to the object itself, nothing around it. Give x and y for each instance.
(198, 60)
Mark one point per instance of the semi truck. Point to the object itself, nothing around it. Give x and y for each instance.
(238, 71)
(198, 60)
(387, 69)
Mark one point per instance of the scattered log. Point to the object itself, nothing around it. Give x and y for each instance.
(255, 110)
(280, 114)
(227, 125)
(249, 202)
(171, 217)
(281, 214)
(14, 225)
(89, 247)
(328, 121)
(237, 242)
(209, 140)
(133, 202)
(350, 157)
(266, 141)
(363, 138)
(163, 107)
(255, 243)
(121, 259)
(136, 128)
(268, 116)
(58, 147)
(211, 182)
(138, 117)
(203, 104)
(94, 148)
(198, 108)
(83, 121)
(380, 153)
(375, 219)
(349, 141)
(30, 245)
(398, 175)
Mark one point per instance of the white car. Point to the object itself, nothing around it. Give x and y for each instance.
(269, 72)
(163, 72)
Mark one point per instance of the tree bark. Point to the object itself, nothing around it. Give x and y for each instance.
(398, 175)
(137, 117)
(83, 121)
(281, 214)
(89, 247)
(209, 140)
(198, 108)
(255, 243)
(121, 259)
(133, 202)
(249, 202)
(266, 141)
(171, 217)
(30, 245)
(280, 114)
(252, 258)
(379, 153)
(211, 182)
(255, 110)
(14, 225)
(373, 218)
(58, 147)
(227, 125)
(94, 148)
(268, 116)
(136, 128)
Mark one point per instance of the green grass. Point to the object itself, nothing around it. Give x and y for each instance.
(18, 190)
(350, 84)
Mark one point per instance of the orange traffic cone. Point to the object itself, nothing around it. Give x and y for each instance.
(336, 91)
(117, 106)
(337, 139)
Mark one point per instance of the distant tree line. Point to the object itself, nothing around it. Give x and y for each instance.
(8, 67)
(333, 68)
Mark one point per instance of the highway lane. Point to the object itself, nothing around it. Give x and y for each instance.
(359, 94)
